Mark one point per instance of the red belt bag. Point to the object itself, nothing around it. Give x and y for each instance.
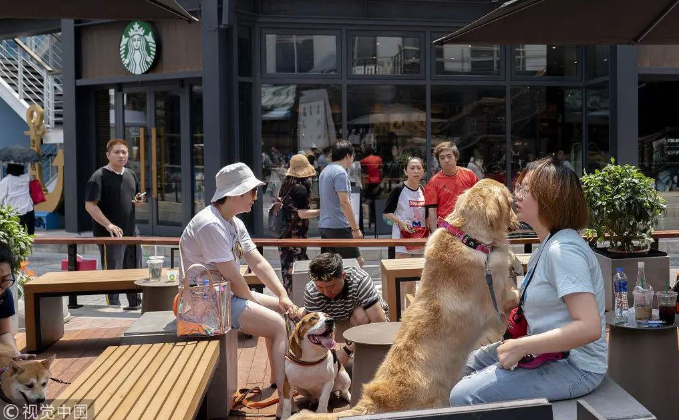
(517, 327)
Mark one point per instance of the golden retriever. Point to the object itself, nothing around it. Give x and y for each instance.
(451, 312)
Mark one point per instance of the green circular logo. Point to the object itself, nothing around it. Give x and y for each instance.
(138, 47)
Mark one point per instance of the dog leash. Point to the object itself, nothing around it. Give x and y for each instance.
(489, 282)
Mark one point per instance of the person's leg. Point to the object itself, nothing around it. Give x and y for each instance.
(132, 259)
(554, 381)
(260, 321)
(287, 256)
(113, 260)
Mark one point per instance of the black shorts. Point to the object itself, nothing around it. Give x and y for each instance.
(344, 233)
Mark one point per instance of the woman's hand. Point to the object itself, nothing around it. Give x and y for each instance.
(23, 356)
(405, 226)
(287, 306)
(509, 353)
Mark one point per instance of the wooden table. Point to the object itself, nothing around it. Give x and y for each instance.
(645, 362)
(43, 298)
(149, 381)
(396, 271)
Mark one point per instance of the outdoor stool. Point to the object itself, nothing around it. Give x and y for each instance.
(372, 342)
(157, 296)
(161, 327)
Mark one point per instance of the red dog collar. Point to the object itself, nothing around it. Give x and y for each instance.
(466, 239)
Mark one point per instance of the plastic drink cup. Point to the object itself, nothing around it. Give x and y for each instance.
(667, 301)
(155, 269)
(643, 306)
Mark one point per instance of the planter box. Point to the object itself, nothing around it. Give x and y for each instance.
(656, 266)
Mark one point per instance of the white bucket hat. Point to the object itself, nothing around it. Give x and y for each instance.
(233, 180)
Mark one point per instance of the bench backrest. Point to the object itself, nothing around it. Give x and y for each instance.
(536, 409)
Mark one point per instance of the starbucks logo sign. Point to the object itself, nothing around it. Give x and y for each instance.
(138, 47)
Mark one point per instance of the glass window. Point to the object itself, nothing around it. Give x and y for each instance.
(198, 157)
(454, 59)
(546, 120)
(288, 53)
(545, 61)
(389, 122)
(598, 154)
(244, 51)
(474, 118)
(136, 136)
(297, 118)
(385, 55)
(597, 60)
(105, 122)
(659, 144)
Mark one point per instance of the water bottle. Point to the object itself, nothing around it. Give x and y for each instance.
(620, 293)
(643, 297)
(206, 289)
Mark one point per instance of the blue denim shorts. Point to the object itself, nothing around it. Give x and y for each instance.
(238, 305)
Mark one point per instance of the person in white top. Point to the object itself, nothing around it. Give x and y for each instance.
(405, 206)
(216, 238)
(14, 192)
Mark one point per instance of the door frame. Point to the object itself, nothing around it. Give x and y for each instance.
(153, 228)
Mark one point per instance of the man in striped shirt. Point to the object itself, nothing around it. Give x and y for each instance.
(343, 294)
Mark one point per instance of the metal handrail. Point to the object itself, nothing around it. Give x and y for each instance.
(33, 55)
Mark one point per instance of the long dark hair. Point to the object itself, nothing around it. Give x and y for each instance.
(292, 181)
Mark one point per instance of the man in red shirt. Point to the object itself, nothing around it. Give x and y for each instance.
(442, 190)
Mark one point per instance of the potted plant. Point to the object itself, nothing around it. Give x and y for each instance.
(21, 244)
(624, 209)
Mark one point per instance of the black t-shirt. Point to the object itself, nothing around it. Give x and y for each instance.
(114, 194)
(298, 198)
(6, 304)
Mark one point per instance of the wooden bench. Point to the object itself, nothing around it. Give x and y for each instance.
(396, 271)
(43, 299)
(151, 381)
(161, 327)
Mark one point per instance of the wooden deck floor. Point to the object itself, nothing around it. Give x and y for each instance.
(80, 347)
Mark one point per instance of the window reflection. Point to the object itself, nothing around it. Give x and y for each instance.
(197, 148)
(385, 55)
(287, 53)
(545, 60)
(546, 120)
(453, 59)
(387, 124)
(303, 119)
(598, 154)
(474, 118)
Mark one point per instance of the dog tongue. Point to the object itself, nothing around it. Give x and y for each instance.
(327, 342)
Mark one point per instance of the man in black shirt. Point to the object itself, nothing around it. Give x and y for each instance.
(112, 193)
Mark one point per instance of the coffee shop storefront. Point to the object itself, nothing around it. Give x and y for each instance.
(267, 80)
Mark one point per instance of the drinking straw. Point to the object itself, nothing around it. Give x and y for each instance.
(144, 251)
(667, 284)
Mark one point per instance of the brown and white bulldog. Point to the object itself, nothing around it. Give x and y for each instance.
(311, 366)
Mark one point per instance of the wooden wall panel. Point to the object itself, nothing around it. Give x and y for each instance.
(659, 56)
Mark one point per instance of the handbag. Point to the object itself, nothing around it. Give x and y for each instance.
(279, 219)
(415, 233)
(35, 189)
(204, 309)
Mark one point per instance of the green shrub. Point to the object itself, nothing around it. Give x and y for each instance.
(624, 207)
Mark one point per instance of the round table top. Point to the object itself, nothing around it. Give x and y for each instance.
(633, 326)
(377, 333)
(161, 283)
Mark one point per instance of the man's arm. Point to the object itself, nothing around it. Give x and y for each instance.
(93, 209)
(432, 217)
(376, 313)
(345, 205)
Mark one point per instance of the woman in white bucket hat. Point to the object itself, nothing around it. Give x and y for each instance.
(218, 239)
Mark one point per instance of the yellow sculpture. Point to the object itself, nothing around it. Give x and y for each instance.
(36, 129)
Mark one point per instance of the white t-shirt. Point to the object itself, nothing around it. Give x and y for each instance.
(14, 192)
(209, 239)
(566, 265)
(407, 205)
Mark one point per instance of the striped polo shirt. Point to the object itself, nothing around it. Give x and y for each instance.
(359, 290)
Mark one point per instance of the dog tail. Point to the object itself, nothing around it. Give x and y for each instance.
(362, 408)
